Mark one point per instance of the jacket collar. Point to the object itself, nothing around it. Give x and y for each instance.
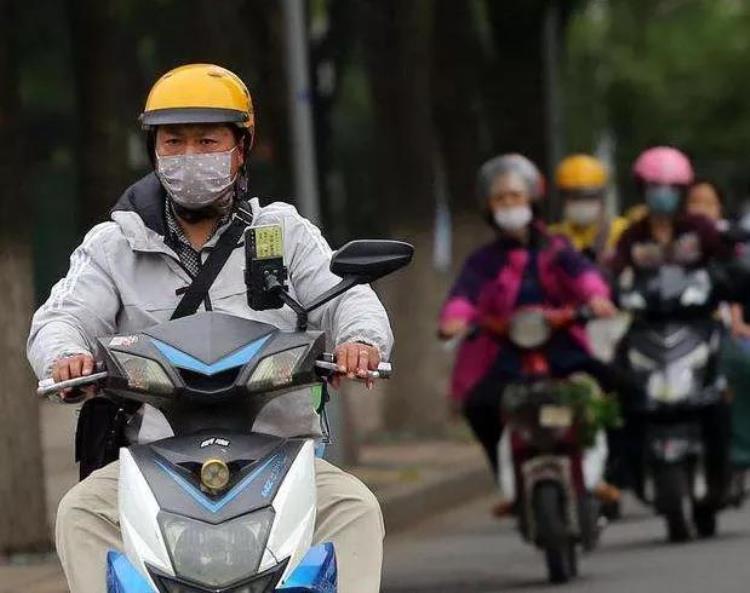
(140, 214)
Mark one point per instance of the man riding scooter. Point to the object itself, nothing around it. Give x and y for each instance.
(138, 270)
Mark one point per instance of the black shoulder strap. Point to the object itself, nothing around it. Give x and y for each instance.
(198, 289)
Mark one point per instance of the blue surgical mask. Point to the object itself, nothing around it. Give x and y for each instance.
(662, 199)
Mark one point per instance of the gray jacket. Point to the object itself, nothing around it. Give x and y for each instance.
(123, 278)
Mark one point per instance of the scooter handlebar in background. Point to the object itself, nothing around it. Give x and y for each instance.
(557, 318)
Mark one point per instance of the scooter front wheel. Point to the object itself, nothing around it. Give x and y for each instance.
(552, 533)
(704, 519)
(670, 482)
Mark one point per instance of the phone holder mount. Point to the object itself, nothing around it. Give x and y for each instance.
(357, 262)
(264, 262)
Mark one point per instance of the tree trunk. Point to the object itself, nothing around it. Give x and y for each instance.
(107, 105)
(455, 92)
(23, 520)
(514, 104)
(330, 55)
(397, 52)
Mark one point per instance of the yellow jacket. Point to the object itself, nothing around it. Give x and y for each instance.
(585, 238)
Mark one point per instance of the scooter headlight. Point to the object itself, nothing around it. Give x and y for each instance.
(677, 380)
(275, 370)
(529, 329)
(671, 385)
(144, 374)
(216, 555)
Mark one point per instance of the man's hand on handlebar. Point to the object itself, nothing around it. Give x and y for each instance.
(354, 360)
(602, 307)
(72, 367)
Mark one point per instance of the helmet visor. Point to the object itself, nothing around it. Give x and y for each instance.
(193, 115)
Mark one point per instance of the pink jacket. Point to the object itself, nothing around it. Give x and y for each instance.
(489, 285)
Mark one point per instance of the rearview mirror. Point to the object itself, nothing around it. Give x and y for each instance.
(362, 262)
(368, 260)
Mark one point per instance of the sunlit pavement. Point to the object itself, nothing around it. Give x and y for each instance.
(466, 551)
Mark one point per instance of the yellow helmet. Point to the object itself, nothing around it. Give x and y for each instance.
(199, 94)
(581, 172)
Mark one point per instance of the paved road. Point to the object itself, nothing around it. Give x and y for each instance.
(464, 551)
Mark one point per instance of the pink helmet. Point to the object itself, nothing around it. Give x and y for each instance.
(663, 165)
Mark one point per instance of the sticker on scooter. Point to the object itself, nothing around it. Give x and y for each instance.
(276, 473)
(123, 341)
(215, 441)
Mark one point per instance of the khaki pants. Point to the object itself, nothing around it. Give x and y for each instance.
(348, 515)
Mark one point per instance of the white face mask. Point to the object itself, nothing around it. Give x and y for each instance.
(195, 181)
(514, 218)
(583, 212)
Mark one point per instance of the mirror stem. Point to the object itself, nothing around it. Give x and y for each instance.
(274, 286)
(347, 283)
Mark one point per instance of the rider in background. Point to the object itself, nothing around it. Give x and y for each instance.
(669, 234)
(663, 175)
(582, 182)
(522, 266)
(706, 198)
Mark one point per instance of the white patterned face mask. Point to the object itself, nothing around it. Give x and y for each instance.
(195, 181)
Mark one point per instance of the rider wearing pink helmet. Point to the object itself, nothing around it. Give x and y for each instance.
(666, 235)
(663, 165)
(662, 176)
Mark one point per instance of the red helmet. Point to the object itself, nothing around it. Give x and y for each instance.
(663, 165)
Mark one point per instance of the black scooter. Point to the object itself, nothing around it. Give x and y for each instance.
(676, 410)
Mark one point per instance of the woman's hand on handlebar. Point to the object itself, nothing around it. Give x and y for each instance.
(72, 367)
(452, 328)
(602, 307)
(354, 360)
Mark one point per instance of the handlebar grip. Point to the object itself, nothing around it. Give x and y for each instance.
(384, 371)
(48, 386)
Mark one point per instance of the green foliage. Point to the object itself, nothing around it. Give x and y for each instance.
(661, 71)
(594, 409)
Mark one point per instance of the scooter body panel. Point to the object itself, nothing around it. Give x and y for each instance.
(274, 477)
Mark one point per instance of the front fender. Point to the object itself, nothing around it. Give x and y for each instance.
(123, 577)
(316, 573)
